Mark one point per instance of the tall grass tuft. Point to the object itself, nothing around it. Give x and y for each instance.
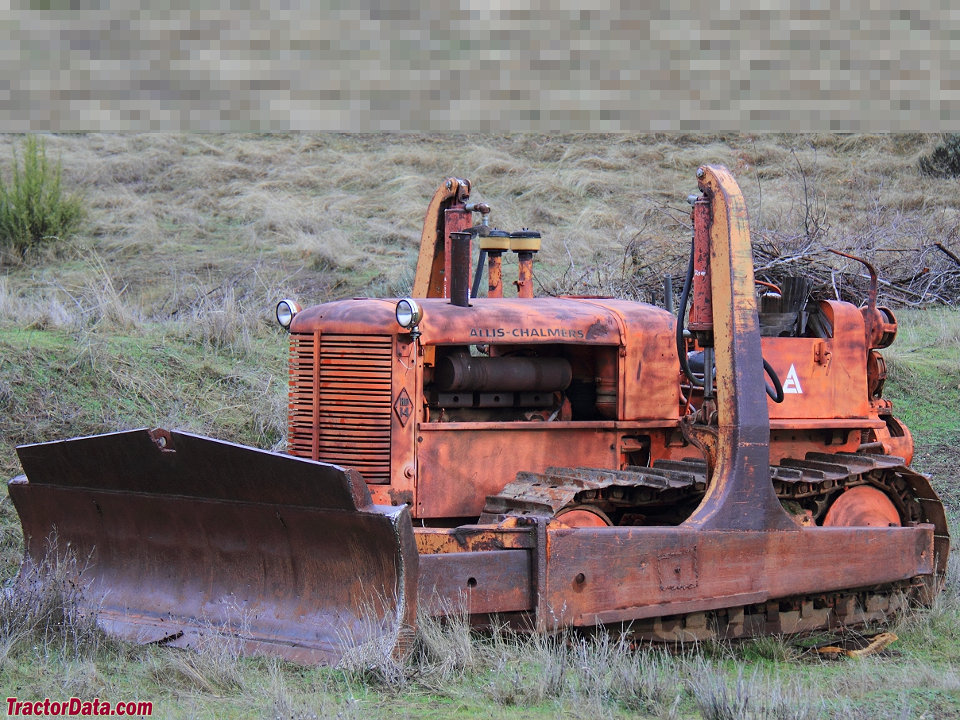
(610, 671)
(212, 665)
(370, 656)
(45, 608)
(444, 648)
(756, 697)
(34, 209)
(597, 674)
(941, 621)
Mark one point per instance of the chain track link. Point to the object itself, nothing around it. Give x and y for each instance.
(805, 487)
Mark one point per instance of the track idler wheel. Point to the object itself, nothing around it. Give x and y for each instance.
(862, 506)
(583, 516)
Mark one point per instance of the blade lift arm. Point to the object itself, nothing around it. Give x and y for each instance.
(724, 318)
(449, 211)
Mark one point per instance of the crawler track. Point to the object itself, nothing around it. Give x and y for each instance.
(666, 493)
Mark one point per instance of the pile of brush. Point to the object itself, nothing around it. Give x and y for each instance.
(917, 276)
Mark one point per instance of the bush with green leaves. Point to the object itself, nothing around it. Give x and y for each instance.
(944, 160)
(34, 208)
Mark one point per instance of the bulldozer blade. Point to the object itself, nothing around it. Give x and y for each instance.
(182, 536)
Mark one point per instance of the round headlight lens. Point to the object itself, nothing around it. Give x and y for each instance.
(408, 313)
(286, 309)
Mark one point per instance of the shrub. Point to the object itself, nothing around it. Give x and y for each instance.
(33, 207)
(944, 161)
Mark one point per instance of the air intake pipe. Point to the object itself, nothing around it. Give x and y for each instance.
(462, 372)
(495, 245)
(460, 269)
(525, 243)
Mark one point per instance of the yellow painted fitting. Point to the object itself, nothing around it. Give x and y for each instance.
(495, 244)
(531, 244)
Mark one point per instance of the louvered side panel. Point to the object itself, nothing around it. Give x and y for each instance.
(302, 435)
(355, 401)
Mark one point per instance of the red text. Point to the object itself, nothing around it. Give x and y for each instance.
(75, 707)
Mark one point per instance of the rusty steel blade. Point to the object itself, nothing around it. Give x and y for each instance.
(184, 535)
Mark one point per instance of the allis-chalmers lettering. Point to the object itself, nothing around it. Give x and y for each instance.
(526, 333)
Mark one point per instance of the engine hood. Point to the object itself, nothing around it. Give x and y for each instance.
(500, 320)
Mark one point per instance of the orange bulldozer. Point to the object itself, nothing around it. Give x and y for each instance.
(551, 461)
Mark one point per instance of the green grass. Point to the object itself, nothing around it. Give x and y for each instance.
(62, 383)
(923, 380)
(85, 381)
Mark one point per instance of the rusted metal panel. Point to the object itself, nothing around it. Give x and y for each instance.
(488, 582)
(514, 321)
(701, 311)
(648, 381)
(183, 532)
(457, 470)
(452, 442)
(823, 378)
(404, 418)
(618, 574)
(471, 538)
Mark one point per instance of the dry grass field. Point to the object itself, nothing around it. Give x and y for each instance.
(159, 312)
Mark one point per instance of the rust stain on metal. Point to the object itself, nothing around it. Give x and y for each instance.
(400, 497)
(473, 538)
(678, 570)
(598, 329)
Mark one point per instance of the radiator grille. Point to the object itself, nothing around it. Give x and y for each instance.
(348, 417)
(301, 432)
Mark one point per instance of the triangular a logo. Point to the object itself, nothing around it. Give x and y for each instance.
(792, 384)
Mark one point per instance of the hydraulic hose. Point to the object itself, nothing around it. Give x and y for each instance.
(681, 313)
(775, 391)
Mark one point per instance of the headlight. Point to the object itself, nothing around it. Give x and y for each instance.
(286, 309)
(409, 313)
